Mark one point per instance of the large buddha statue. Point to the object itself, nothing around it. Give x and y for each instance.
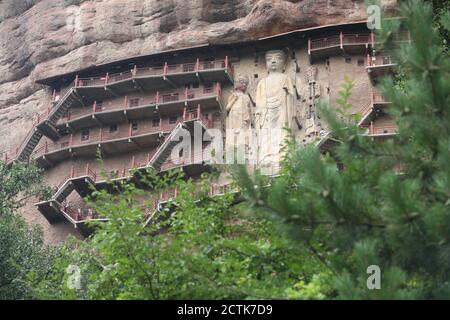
(274, 112)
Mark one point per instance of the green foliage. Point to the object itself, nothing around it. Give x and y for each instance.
(23, 256)
(369, 213)
(200, 247)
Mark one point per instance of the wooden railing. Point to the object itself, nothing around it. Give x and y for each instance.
(195, 158)
(121, 134)
(378, 98)
(380, 130)
(78, 214)
(327, 42)
(151, 100)
(10, 156)
(163, 70)
(350, 39)
(135, 72)
(379, 60)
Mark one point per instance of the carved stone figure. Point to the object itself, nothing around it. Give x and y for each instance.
(239, 120)
(312, 122)
(275, 111)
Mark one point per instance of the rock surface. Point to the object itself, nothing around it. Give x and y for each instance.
(43, 38)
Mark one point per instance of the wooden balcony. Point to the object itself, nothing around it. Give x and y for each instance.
(56, 212)
(166, 76)
(193, 164)
(126, 139)
(381, 131)
(357, 43)
(321, 48)
(379, 66)
(161, 103)
(376, 107)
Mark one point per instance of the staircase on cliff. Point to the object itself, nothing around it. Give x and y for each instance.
(46, 126)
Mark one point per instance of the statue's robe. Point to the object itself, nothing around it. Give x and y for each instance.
(274, 112)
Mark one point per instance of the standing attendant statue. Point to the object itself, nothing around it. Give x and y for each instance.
(275, 111)
(239, 122)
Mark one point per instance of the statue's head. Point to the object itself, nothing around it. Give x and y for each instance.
(275, 60)
(241, 83)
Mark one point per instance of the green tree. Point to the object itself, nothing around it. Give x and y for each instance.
(23, 255)
(390, 205)
(200, 247)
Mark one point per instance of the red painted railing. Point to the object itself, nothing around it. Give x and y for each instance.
(121, 134)
(378, 98)
(165, 69)
(325, 42)
(380, 130)
(10, 156)
(358, 38)
(379, 60)
(135, 72)
(351, 39)
(157, 98)
(195, 158)
(78, 214)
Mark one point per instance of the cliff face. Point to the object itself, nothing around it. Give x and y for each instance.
(43, 38)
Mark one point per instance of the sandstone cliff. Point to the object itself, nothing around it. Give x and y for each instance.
(40, 38)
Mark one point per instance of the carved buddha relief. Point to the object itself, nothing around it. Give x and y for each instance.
(275, 111)
(312, 124)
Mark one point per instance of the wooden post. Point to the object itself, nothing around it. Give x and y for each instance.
(372, 38)
(160, 123)
(125, 102)
(134, 71)
(101, 134)
(226, 62)
(76, 81)
(368, 60)
(184, 114)
(218, 88)
(341, 37)
(133, 161)
(197, 65)
(106, 78)
(148, 157)
(130, 129)
(309, 46)
(198, 112)
(72, 172)
(87, 169)
(94, 106)
(165, 68)
(157, 97)
(71, 139)
(185, 93)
